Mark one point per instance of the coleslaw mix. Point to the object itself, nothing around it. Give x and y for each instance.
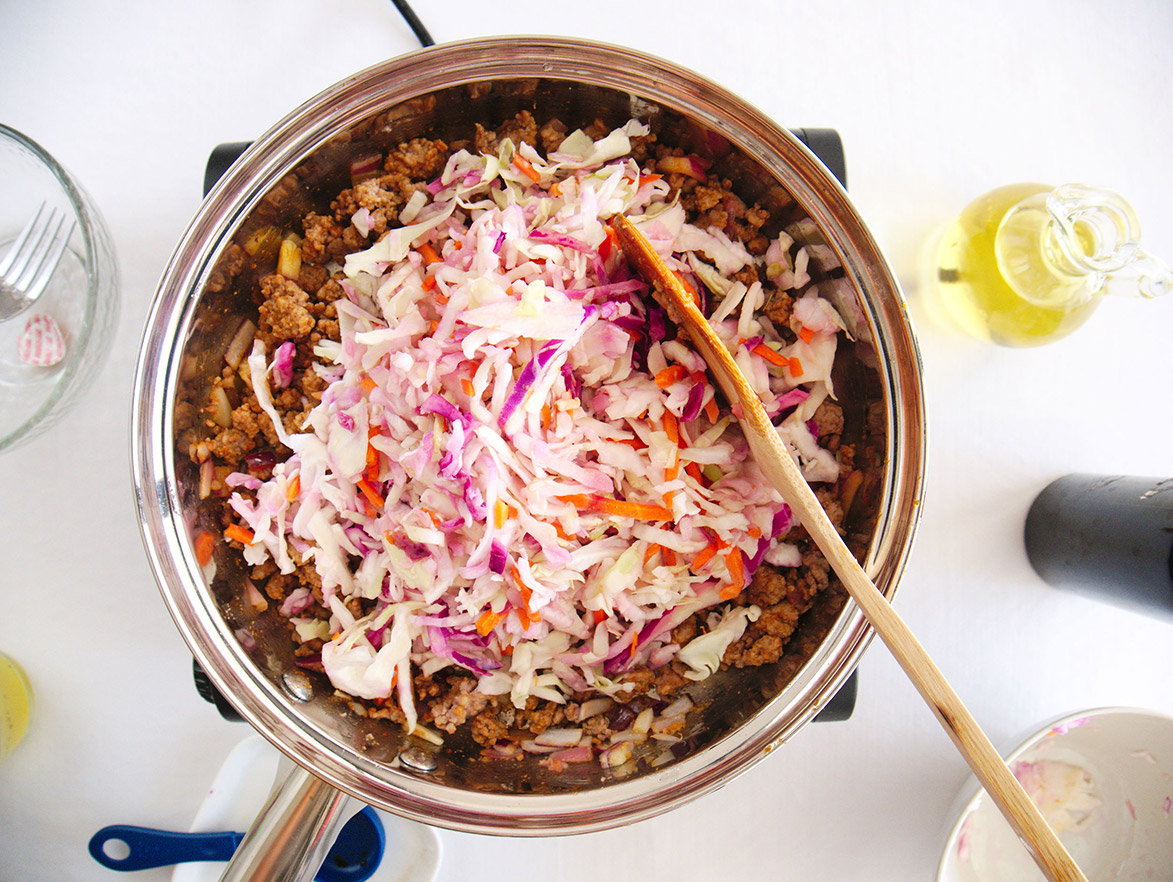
(516, 468)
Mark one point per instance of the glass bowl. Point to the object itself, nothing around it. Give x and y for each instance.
(82, 297)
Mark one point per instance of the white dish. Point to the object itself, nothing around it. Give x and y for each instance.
(1103, 778)
(241, 788)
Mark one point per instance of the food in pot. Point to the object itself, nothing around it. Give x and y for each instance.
(475, 468)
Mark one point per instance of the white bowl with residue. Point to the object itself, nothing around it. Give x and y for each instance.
(1102, 778)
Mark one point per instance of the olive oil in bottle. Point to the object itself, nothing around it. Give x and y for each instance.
(1026, 264)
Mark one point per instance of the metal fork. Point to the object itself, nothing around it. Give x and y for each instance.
(30, 263)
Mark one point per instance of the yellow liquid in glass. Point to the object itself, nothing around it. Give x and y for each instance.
(971, 282)
(16, 704)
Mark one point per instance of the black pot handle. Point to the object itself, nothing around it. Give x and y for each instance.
(209, 693)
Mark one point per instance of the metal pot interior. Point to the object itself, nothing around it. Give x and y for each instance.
(298, 166)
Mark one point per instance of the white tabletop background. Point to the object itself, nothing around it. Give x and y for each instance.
(936, 103)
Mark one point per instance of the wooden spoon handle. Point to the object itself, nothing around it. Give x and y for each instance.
(779, 467)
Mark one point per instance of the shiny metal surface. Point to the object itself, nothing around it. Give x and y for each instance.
(293, 833)
(304, 160)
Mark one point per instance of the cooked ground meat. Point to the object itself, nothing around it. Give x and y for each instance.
(418, 159)
(459, 703)
(283, 311)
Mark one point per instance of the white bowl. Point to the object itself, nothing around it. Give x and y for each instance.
(1103, 778)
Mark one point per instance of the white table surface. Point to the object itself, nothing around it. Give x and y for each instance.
(936, 103)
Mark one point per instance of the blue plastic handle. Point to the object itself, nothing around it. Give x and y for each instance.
(149, 848)
(354, 857)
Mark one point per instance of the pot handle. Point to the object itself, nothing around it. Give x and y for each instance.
(292, 834)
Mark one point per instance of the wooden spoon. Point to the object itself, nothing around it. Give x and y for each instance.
(776, 463)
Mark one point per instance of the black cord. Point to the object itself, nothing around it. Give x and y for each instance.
(413, 22)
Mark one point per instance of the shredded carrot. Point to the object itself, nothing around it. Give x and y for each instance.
(754, 531)
(640, 511)
(672, 427)
(547, 416)
(466, 386)
(609, 243)
(293, 487)
(729, 592)
(672, 471)
(647, 179)
(600, 616)
(668, 497)
(507, 649)
(795, 367)
(527, 616)
(436, 521)
(667, 556)
(429, 283)
(736, 564)
(205, 544)
(634, 643)
(711, 410)
(806, 334)
(428, 253)
(562, 534)
(674, 373)
(688, 287)
(523, 166)
(556, 189)
(369, 491)
(368, 385)
(239, 533)
(633, 443)
(650, 552)
(371, 470)
(487, 622)
(694, 471)
(769, 354)
(706, 554)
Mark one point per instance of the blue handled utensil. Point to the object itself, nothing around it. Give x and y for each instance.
(354, 857)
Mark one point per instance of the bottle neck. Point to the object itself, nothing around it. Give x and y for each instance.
(1061, 249)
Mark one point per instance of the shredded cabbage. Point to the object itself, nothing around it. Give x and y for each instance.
(498, 469)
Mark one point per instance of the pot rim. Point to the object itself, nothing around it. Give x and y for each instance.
(281, 149)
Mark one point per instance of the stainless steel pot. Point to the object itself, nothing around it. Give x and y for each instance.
(300, 163)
